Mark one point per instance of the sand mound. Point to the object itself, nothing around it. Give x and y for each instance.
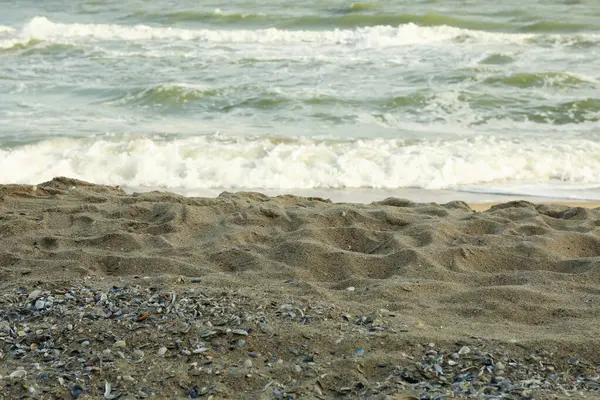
(516, 269)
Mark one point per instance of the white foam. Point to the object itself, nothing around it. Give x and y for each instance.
(42, 28)
(6, 29)
(213, 162)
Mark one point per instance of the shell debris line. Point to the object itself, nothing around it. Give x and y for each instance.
(91, 342)
(110, 295)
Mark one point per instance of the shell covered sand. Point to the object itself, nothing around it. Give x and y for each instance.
(304, 298)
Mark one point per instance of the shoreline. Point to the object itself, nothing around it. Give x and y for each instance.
(480, 201)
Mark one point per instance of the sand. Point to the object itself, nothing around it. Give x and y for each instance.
(521, 275)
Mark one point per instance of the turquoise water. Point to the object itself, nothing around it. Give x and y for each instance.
(459, 95)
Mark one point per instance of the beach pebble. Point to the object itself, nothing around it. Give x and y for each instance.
(120, 344)
(464, 350)
(34, 295)
(139, 354)
(39, 304)
(162, 351)
(247, 363)
(20, 373)
(499, 366)
(241, 332)
(350, 289)
(4, 327)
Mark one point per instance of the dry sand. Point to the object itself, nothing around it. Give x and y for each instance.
(377, 283)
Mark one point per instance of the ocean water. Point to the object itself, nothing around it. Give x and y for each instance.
(463, 95)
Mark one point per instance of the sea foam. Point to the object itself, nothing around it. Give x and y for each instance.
(221, 162)
(41, 28)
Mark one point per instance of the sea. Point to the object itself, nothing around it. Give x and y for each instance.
(424, 99)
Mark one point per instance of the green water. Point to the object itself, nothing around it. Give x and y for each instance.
(465, 95)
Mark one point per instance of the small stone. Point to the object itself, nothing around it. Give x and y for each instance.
(162, 351)
(34, 295)
(106, 352)
(139, 354)
(4, 327)
(85, 343)
(120, 344)
(199, 350)
(128, 378)
(241, 332)
(297, 368)
(573, 360)
(39, 304)
(499, 366)
(464, 350)
(240, 342)
(20, 373)
(317, 390)
(247, 363)
(350, 289)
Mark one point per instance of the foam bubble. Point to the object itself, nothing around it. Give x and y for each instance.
(6, 30)
(42, 28)
(216, 162)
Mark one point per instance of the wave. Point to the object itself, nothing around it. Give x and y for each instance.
(351, 19)
(216, 17)
(543, 79)
(356, 15)
(556, 26)
(4, 30)
(41, 28)
(163, 94)
(287, 163)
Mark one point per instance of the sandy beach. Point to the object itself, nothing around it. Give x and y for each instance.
(249, 296)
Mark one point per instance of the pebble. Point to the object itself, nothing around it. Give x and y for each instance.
(499, 366)
(162, 351)
(350, 289)
(39, 304)
(20, 373)
(120, 344)
(464, 350)
(139, 354)
(241, 332)
(247, 363)
(34, 295)
(4, 327)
